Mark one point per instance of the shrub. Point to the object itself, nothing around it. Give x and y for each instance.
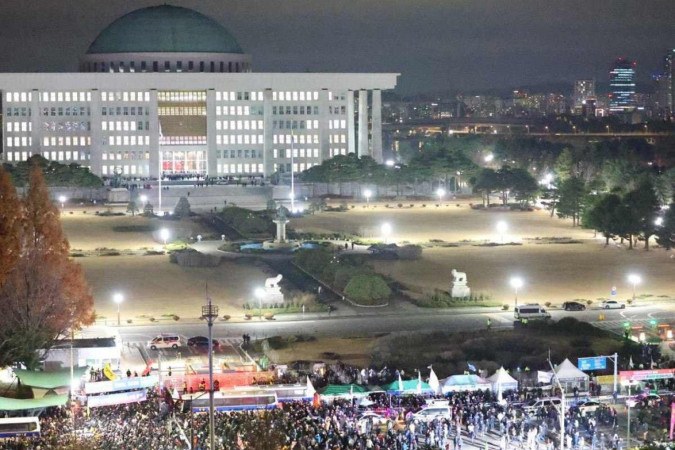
(182, 208)
(226, 317)
(268, 316)
(400, 205)
(175, 317)
(505, 307)
(412, 205)
(129, 321)
(409, 252)
(368, 289)
(589, 302)
(548, 304)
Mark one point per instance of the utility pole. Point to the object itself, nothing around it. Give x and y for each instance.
(561, 411)
(210, 313)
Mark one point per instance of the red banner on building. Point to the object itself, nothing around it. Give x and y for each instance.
(646, 375)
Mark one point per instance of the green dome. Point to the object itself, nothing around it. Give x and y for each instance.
(164, 29)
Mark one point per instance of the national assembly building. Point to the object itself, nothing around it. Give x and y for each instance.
(168, 91)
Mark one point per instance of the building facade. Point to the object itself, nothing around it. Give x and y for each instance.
(167, 91)
(622, 87)
(584, 90)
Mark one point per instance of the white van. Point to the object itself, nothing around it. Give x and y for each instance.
(435, 410)
(531, 312)
(165, 340)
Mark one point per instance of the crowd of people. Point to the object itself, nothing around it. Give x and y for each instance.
(475, 420)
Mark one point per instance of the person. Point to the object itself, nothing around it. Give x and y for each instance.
(489, 323)
(216, 385)
(202, 385)
(128, 373)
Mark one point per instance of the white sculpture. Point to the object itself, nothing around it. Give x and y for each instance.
(272, 283)
(272, 292)
(459, 286)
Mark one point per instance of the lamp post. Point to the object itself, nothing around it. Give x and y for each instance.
(516, 283)
(118, 298)
(367, 193)
(386, 231)
(260, 294)
(634, 279)
(629, 404)
(62, 200)
(501, 229)
(441, 193)
(144, 200)
(210, 313)
(164, 234)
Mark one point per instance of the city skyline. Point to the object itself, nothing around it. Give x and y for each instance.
(458, 46)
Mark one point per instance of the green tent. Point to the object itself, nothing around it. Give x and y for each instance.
(408, 387)
(49, 379)
(14, 404)
(344, 390)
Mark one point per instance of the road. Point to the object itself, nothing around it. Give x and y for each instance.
(386, 322)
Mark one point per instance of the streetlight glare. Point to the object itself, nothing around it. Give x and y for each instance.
(144, 198)
(62, 198)
(118, 298)
(502, 226)
(367, 193)
(164, 234)
(658, 221)
(440, 192)
(489, 157)
(516, 282)
(386, 229)
(634, 278)
(259, 293)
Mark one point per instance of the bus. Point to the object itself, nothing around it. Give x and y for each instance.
(235, 401)
(19, 426)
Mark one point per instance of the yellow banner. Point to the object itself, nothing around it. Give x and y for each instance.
(605, 379)
(109, 374)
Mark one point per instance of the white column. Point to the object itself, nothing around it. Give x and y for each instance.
(363, 123)
(351, 131)
(36, 123)
(96, 148)
(153, 118)
(376, 126)
(324, 131)
(211, 160)
(268, 146)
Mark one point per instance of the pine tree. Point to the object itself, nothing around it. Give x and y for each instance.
(45, 294)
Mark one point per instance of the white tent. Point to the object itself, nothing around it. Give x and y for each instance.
(502, 379)
(460, 383)
(570, 376)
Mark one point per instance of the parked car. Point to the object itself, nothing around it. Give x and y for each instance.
(589, 407)
(534, 405)
(376, 418)
(434, 411)
(201, 341)
(166, 340)
(613, 304)
(573, 306)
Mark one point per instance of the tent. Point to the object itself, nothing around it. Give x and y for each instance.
(570, 376)
(344, 390)
(13, 404)
(408, 387)
(502, 378)
(460, 383)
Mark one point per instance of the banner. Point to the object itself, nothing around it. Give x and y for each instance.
(122, 384)
(116, 399)
(642, 375)
(593, 363)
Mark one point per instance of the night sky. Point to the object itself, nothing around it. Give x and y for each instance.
(434, 44)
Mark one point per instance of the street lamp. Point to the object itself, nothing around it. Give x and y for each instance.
(489, 157)
(634, 279)
(210, 314)
(441, 193)
(607, 127)
(62, 200)
(144, 199)
(516, 283)
(501, 229)
(367, 193)
(118, 298)
(260, 294)
(386, 231)
(164, 234)
(658, 221)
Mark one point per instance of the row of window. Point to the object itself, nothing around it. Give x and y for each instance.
(297, 167)
(182, 110)
(125, 140)
(19, 141)
(337, 124)
(66, 141)
(295, 124)
(66, 126)
(125, 111)
(17, 127)
(168, 66)
(182, 140)
(65, 96)
(18, 112)
(295, 96)
(239, 154)
(66, 111)
(226, 139)
(295, 110)
(240, 168)
(337, 151)
(239, 110)
(295, 138)
(337, 138)
(124, 169)
(125, 96)
(255, 96)
(18, 97)
(124, 125)
(337, 110)
(60, 155)
(111, 156)
(239, 125)
(181, 96)
(297, 153)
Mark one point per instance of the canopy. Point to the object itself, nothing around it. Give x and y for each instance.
(49, 379)
(502, 378)
(409, 387)
(344, 390)
(566, 371)
(13, 404)
(459, 383)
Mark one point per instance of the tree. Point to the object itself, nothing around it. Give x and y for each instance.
(486, 182)
(148, 210)
(572, 197)
(524, 186)
(367, 289)
(11, 212)
(665, 233)
(45, 293)
(182, 208)
(602, 216)
(643, 206)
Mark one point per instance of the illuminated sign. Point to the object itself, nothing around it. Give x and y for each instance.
(594, 363)
(122, 384)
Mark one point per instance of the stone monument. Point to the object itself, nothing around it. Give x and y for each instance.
(281, 222)
(272, 292)
(459, 287)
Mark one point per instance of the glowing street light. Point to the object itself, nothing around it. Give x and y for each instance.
(144, 199)
(389, 163)
(62, 200)
(118, 298)
(367, 193)
(516, 283)
(502, 227)
(164, 234)
(634, 279)
(441, 193)
(658, 221)
(489, 157)
(386, 231)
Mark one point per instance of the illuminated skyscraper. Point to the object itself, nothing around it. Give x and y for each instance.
(622, 86)
(583, 90)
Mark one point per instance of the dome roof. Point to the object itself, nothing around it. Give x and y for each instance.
(164, 29)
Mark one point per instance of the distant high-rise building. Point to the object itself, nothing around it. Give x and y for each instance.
(622, 86)
(662, 100)
(669, 73)
(584, 90)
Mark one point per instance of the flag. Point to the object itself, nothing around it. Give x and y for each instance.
(471, 367)
(400, 383)
(310, 389)
(419, 382)
(630, 363)
(433, 382)
(500, 397)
